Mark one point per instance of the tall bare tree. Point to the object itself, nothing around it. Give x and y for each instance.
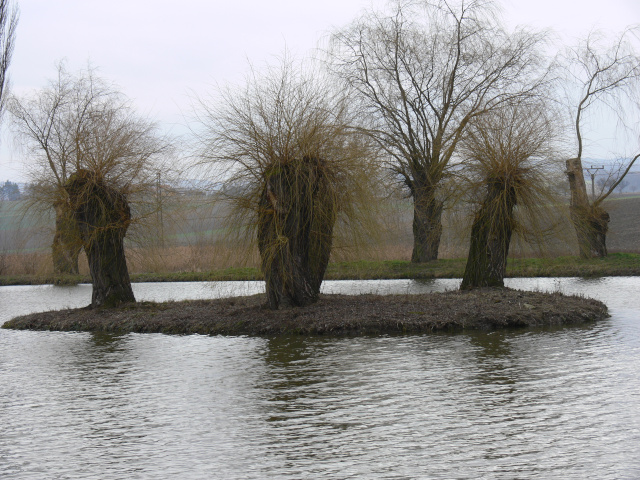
(422, 72)
(90, 155)
(8, 24)
(293, 167)
(604, 77)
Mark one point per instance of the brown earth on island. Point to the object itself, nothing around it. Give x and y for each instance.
(486, 308)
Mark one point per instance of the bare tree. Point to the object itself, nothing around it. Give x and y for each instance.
(605, 77)
(90, 154)
(8, 25)
(422, 73)
(48, 124)
(605, 182)
(293, 167)
(622, 185)
(509, 162)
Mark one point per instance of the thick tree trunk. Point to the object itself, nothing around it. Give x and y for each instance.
(103, 216)
(66, 245)
(427, 225)
(295, 231)
(108, 268)
(592, 225)
(590, 222)
(490, 239)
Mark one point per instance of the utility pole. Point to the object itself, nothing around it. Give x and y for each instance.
(159, 200)
(592, 171)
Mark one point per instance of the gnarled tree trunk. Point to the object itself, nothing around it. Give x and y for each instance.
(66, 245)
(295, 230)
(427, 226)
(590, 221)
(490, 238)
(103, 216)
(591, 224)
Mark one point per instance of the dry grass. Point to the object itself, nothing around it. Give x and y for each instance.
(189, 258)
(31, 263)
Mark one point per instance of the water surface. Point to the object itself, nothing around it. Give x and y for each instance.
(545, 403)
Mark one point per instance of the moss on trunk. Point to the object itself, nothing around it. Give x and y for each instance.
(297, 212)
(102, 214)
(427, 225)
(490, 237)
(66, 245)
(590, 221)
(592, 225)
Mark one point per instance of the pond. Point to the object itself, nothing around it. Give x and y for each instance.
(545, 403)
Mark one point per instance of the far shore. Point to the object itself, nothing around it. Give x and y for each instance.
(453, 311)
(615, 264)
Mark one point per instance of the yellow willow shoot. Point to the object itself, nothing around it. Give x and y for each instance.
(79, 122)
(509, 165)
(293, 167)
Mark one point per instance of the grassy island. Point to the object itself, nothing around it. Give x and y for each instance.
(486, 308)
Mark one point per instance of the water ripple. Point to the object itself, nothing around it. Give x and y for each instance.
(548, 403)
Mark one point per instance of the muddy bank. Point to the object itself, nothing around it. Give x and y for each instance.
(332, 314)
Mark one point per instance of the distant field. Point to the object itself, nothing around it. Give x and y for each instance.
(624, 227)
(194, 239)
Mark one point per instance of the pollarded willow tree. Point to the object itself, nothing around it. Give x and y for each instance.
(293, 168)
(600, 77)
(91, 155)
(102, 216)
(47, 124)
(509, 165)
(421, 73)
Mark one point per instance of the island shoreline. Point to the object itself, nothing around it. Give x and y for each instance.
(451, 311)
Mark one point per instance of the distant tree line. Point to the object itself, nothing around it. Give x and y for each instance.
(10, 191)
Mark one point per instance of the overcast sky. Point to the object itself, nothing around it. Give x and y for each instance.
(161, 52)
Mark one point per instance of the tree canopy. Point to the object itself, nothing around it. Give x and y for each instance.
(421, 72)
